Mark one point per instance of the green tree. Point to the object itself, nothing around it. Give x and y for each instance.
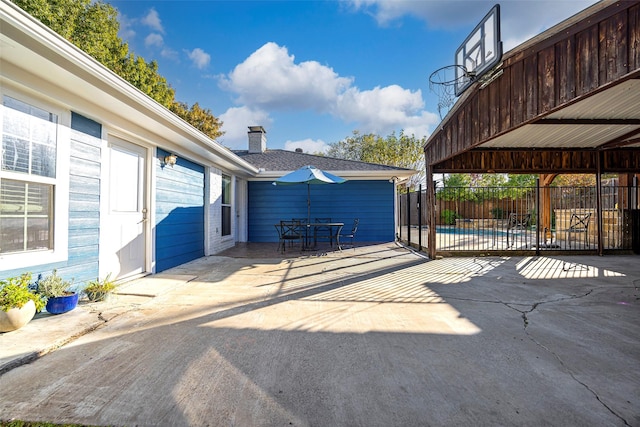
(574, 180)
(200, 118)
(456, 188)
(404, 151)
(93, 27)
(502, 185)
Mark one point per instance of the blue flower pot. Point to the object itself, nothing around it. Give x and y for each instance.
(59, 305)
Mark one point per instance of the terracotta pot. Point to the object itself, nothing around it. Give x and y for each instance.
(16, 318)
(59, 305)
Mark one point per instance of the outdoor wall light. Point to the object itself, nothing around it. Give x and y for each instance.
(170, 160)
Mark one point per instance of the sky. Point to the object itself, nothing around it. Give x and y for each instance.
(313, 72)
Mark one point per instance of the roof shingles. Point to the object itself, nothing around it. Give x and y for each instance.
(283, 160)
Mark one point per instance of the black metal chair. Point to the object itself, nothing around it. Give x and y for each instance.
(290, 231)
(579, 224)
(350, 235)
(323, 232)
(518, 221)
(303, 229)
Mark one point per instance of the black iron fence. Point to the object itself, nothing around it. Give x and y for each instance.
(502, 219)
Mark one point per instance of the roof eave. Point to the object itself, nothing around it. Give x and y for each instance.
(35, 36)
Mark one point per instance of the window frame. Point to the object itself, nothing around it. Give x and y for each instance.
(228, 206)
(60, 197)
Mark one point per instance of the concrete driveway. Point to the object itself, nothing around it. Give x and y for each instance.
(377, 336)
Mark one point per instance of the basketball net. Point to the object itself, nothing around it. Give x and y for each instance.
(443, 83)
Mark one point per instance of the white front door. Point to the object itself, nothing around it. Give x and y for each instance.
(127, 212)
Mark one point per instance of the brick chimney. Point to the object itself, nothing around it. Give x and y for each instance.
(257, 139)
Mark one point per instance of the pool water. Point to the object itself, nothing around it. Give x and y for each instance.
(443, 229)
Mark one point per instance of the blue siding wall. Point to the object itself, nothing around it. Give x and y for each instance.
(179, 212)
(84, 215)
(370, 201)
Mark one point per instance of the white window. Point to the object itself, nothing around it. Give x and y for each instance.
(30, 185)
(226, 205)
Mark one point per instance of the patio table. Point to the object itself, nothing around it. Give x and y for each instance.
(331, 225)
(313, 225)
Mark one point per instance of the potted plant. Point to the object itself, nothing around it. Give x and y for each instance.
(98, 290)
(18, 303)
(60, 297)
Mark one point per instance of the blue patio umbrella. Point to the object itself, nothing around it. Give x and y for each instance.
(309, 175)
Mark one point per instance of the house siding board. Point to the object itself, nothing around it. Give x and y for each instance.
(504, 104)
(587, 61)
(179, 212)
(84, 213)
(370, 201)
(84, 204)
(531, 87)
(634, 38)
(565, 70)
(484, 122)
(494, 97)
(613, 51)
(547, 81)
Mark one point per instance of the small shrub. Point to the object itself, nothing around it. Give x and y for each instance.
(449, 217)
(97, 289)
(53, 286)
(15, 292)
(497, 213)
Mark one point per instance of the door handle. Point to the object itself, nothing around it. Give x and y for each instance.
(144, 216)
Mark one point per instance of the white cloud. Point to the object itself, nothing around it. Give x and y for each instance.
(199, 58)
(169, 54)
(236, 122)
(126, 31)
(152, 20)
(154, 39)
(307, 145)
(519, 18)
(382, 109)
(270, 79)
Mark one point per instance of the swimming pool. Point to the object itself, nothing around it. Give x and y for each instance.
(444, 229)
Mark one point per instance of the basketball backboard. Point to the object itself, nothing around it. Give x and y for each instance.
(480, 51)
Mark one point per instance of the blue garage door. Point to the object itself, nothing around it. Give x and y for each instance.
(179, 212)
(370, 201)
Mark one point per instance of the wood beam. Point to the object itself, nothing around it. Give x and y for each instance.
(605, 122)
(540, 161)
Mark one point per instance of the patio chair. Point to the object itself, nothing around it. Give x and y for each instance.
(323, 232)
(350, 235)
(579, 224)
(518, 221)
(289, 231)
(303, 229)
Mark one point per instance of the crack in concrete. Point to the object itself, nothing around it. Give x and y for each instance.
(525, 319)
(557, 357)
(583, 384)
(535, 305)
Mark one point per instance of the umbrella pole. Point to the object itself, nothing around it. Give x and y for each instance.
(308, 203)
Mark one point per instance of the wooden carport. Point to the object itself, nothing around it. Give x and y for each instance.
(566, 101)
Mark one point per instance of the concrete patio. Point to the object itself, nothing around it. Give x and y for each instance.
(373, 336)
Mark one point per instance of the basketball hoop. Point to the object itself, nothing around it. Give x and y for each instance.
(444, 83)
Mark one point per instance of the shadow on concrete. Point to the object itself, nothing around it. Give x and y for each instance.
(381, 337)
